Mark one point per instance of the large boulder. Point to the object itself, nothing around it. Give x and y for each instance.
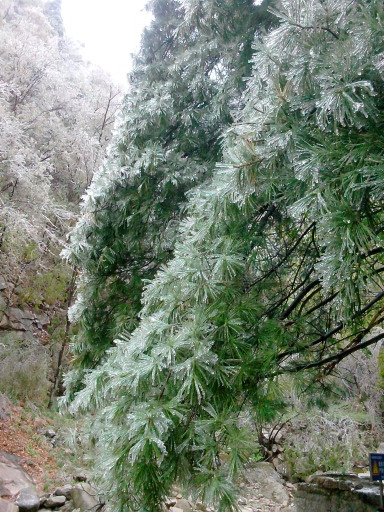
(41, 321)
(338, 492)
(4, 323)
(54, 501)
(266, 480)
(65, 490)
(16, 485)
(28, 500)
(183, 505)
(12, 477)
(20, 320)
(7, 506)
(85, 497)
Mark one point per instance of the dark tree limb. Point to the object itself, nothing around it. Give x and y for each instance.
(336, 358)
(284, 259)
(299, 298)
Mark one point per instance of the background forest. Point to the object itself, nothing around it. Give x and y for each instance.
(228, 251)
(56, 116)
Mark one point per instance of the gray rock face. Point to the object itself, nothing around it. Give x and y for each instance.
(270, 482)
(339, 493)
(7, 506)
(183, 505)
(12, 477)
(20, 320)
(41, 321)
(55, 501)
(28, 500)
(85, 497)
(64, 491)
(4, 323)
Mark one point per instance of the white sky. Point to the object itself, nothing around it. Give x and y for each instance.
(109, 29)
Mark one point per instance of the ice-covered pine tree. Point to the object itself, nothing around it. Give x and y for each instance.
(187, 79)
(277, 269)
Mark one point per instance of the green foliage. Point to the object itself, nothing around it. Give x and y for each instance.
(47, 287)
(56, 113)
(327, 443)
(381, 369)
(276, 266)
(187, 79)
(23, 370)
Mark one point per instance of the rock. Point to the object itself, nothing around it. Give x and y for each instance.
(13, 478)
(280, 436)
(3, 283)
(242, 501)
(84, 497)
(43, 499)
(281, 468)
(184, 505)
(55, 501)
(270, 482)
(175, 509)
(68, 507)
(28, 500)
(20, 320)
(50, 433)
(42, 321)
(380, 448)
(3, 304)
(4, 323)
(7, 506)
(337, 492)
(64, 491)
(170, 502)
(200, 506)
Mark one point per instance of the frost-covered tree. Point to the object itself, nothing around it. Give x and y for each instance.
(55, 117)
(277, 268)
(187, 80)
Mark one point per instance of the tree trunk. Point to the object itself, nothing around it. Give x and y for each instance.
(71, 292)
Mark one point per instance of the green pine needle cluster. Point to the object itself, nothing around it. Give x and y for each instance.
(275, 262)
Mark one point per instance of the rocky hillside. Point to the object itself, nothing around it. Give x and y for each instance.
(46, 463)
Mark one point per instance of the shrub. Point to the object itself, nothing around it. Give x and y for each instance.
(23, 369)
(326, 443)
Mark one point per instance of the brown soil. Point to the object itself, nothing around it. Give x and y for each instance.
(20, 435)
